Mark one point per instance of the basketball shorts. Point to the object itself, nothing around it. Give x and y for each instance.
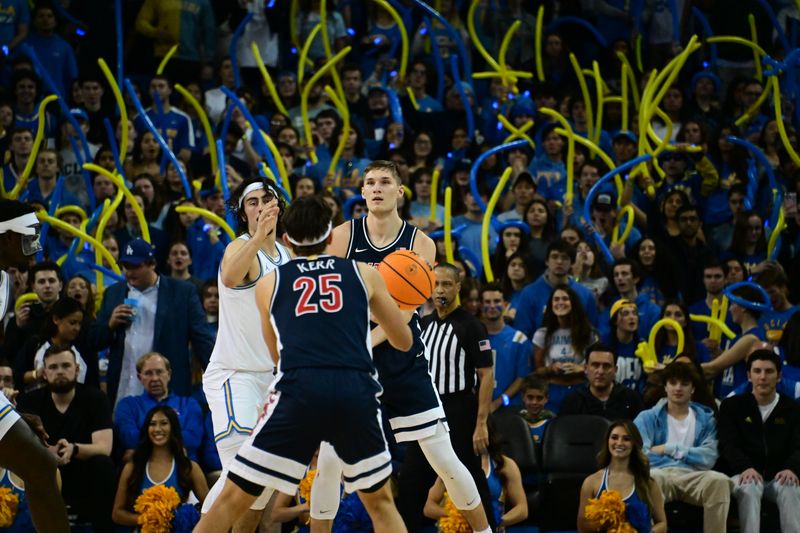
(8, 415)
(409, 397)
(308, 406)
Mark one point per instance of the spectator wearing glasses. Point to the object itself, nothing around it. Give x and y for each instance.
(155, 372)
(417, 81)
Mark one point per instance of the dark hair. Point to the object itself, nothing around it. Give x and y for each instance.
(687, 208)
(64, 307)
(598, 347)
(750, 294)
(449, 267)
(508, 287)
(579, 326)
(55, 349)
(44, 266)
(562, 247)
(549, 229)
(635, 268)
(307, 218)
(144, 449)
(740, 229)
(790, 340)
(638, 464)
(493, 286)
(532, 381)
(773, 276)
(764, 355)
(681, 372)
(236, 195)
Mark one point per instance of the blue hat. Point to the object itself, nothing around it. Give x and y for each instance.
(603, 202)
(137, 252)
(627, 134)
(708, 75)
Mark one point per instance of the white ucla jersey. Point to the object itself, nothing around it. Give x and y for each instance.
(240, 345)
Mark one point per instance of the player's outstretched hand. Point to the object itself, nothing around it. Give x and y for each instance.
(266, 220)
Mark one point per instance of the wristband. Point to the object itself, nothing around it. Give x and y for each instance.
(75, 449)
(506, 399)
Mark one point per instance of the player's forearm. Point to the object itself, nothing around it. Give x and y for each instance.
(237, 266)
(514, 388)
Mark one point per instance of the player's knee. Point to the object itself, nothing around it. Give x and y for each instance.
(376, 487)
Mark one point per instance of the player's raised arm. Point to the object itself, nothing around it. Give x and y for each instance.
(264, 290)
(385, 310)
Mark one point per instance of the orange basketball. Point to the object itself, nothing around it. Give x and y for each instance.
(408, 277)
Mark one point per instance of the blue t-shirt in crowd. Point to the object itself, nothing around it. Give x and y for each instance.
(12, 14)
(512, 352)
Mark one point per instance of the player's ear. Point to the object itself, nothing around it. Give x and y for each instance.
(285, 239)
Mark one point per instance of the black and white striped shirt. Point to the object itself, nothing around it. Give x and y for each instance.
(455, 347)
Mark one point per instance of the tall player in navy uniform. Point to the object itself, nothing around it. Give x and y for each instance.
(20, 451)
(326, 387)
(409, 399)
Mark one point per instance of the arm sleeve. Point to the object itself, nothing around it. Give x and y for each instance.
(126, 425)
(703, 454)
(101, 334)
(192, 429)
(729, 447)
(524, 321)
(100, 413)
(524, 354)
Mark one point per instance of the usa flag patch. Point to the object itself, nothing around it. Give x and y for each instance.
(484, 345)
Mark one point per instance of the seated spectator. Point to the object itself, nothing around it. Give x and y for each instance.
(509, 503)
(179, 260)
(624, 468)
(679, 437)
(763, 456)
(154, 373)
(534, 398)
(44, 279)
(158, 455)
(602, 396)
(624, 341)
(626, 277)
(77, 421)
(209, 298)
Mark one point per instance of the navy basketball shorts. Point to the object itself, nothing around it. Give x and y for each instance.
(308, 406)
(409, 397)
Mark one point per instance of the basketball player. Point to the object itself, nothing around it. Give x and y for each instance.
(326, 388)
(237, 380)
(409, 397)
(20, 450)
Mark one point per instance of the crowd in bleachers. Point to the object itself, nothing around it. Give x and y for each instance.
(710, 223)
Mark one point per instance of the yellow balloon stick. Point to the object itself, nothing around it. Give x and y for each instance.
(624, 103)
(25, 298)
(276, 154)
(517, 133)
(511, 74)
(345, 114)
(587, 101)
(776, 98)
(590, 145)
(776, 231)
(167, 57)
(751, 20)
(404, 43)
(268, 79)
(434, 193)
(487, 221)
(753, 109)
(712, 328)
(647, 351)
(109, 208)
(598, 121)
(723, 313)
(412, 98)
(326, 42)
(304, 99)
(638, 51)
(737, 40)
(37, 142)
(120, 183)
(301, 64)
(718, 325)
(615, 237)
(208, 215)
(476, 42)
(98, 246)
(504, 50)
(294, 35)
(448, 238)
(123, 111)
(631, 79)
(537, 43)
(552, 113)
(201, 115)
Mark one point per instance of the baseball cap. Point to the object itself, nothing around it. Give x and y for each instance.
(524, 176)
(619, 304)
(603, 202)
(625, 134)
(136, 252)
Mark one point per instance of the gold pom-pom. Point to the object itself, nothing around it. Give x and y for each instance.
(9, 503)
(454, 522)
(156, 506)
(305, 486)
(609, 512)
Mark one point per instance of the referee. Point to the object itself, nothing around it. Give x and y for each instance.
(457, 348)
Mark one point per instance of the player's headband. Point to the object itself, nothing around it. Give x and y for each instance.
(256, 186)
(24, 225)
(311, 242)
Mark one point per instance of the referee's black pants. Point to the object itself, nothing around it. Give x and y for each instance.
(416, 476)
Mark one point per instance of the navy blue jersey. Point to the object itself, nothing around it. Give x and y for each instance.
(320, 309)
(361, 248)
(390, 362)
